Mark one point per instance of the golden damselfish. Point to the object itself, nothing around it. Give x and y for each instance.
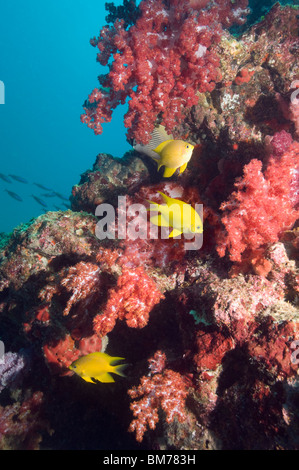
(173, 154)
(176, 214)
(166, 151)
(98, 366)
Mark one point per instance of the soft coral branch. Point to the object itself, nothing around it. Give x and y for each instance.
(133, 299)
(263, 206)
(160, 62)
(167, 390)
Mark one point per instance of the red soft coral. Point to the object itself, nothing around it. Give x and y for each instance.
(263, 207)
(167, 390)
(22, 424)
(133, 299)
(160, 63)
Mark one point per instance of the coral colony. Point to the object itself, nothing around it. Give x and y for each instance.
(210, 335)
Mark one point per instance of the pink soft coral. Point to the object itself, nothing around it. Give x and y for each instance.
(263, 206)
(160, 62)
(167, 390)
(133, 299)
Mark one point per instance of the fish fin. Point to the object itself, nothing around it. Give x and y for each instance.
(88, 379)
(158, 136)
(183, 167)
(116, 359)
(168, 172)
(166, 198)
(175, 233)
(146, 150)
(161, 146)
(156, 208)
(159, 220)
(119, 370)
(105, 378)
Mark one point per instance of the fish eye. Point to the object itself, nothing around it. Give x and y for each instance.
(187, 146)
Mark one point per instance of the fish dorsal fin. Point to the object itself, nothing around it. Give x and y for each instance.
(159, 135)
(162, 145)
(166, 198)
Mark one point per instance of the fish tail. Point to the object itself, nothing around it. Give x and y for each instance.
(115, 359)
(119, 370)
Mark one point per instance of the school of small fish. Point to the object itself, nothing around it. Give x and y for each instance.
(50, 193)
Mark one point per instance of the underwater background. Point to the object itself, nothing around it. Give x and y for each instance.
(47, 65)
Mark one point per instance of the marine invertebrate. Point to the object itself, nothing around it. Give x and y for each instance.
(12, 370)
(160, 62)
(165, 389)
(231, 336)
(244, 76)
(21, 423)
(132, 300)
(211, 348)
(61, 353)
(82, 281)
(263, 206)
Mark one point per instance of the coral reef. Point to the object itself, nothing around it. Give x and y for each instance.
(210, 335)
(12, 369)
(21, 424)
(167, 389)
(133, 299)
(271, 197)
(167, 55)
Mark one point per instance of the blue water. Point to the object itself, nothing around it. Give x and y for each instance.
(48, 68)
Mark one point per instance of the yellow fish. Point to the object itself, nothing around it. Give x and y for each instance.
(167, 152)
(176, 214)
(98, 366)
